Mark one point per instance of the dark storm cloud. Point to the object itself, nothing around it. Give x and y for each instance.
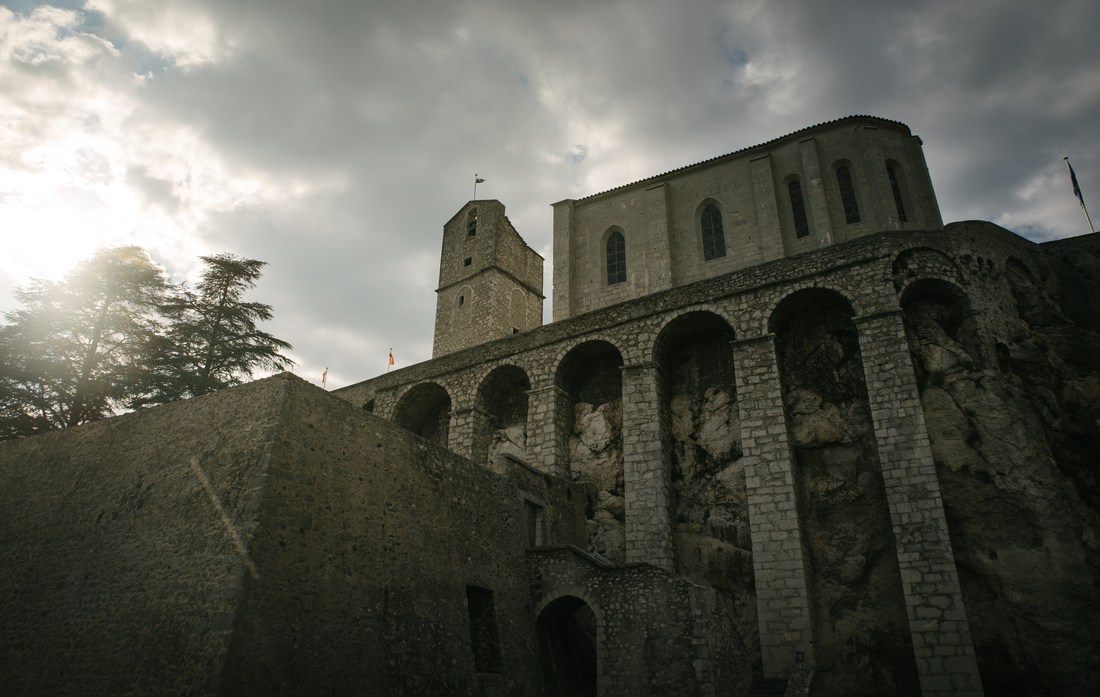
(362, 124)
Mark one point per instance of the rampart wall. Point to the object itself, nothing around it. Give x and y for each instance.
(876, 284)
(121, 546)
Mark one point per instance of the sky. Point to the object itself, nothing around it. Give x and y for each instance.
(333, 139)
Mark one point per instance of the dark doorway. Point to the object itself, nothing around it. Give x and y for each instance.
(567, 643)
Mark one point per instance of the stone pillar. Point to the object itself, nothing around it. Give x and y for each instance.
(879, 198)
(645, 470)
(925, 207)
(658, 254)
(547, 426)
(460, 432)
(563, 259)
(768, 232)
(937, 618)
(782, 597)
(817, 206)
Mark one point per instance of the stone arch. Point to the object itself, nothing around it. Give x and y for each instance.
(856, 599)
(569, 633)
(924, 262)
(500, 427)
(941, 329)
(702, 428)
(590, 425)
(425, 409)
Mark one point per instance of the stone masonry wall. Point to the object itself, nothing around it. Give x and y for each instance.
(873, 275)
(696, 652)
(490, 281)
(659, 217)
(121, 544)
(368, 540)
(267, 539)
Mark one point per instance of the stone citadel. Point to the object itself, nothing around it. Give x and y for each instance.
(787, 433)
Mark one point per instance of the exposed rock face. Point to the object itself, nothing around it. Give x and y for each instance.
(712, 529)
(508, 443)
(1011, 417)
(596, 456)
(860, 623)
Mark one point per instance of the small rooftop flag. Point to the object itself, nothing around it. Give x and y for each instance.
(391, 361)
(324, 378)
(1077, 193)
(1076, 186)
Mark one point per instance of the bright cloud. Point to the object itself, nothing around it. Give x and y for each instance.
(333, 139)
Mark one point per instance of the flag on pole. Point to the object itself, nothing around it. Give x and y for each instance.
(1077, 193)
(391, 356)
(478, 180)
(1076, 186)
(324, 378)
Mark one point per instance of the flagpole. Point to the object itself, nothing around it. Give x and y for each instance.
(1077, 193)
(476, 180)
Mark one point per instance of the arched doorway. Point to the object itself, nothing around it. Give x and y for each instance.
(567, 647)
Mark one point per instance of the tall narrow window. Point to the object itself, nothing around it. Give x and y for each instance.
(616, 259)
(798, 210)
(895, 187)
(471, 222)
(484, 637)
(714, 240)
(535, 519)
(847, 194)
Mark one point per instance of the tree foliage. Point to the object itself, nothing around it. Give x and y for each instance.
(212, 340)
(74, 351)
(114, 335)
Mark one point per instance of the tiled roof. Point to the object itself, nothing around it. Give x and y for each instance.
(801, 131)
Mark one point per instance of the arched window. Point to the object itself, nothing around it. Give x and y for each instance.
(895, 187)
(798, 209)
(847, 194)
(616, 258)
(714, 240)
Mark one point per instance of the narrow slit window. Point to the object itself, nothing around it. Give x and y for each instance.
(714, 238)
(895, 187)
(798, 209)
(847, 195)
(616, 259)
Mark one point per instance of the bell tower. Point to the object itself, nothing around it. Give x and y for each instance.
(490, 281)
